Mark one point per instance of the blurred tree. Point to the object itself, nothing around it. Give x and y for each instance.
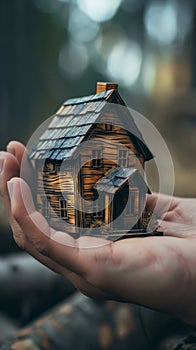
(29, 74)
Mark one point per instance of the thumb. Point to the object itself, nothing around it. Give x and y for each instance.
(23, 210)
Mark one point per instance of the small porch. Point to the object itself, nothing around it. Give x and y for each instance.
(124, 193)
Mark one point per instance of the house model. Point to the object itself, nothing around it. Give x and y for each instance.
(90, 167)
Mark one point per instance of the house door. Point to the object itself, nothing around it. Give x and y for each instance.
(119, 204)
(126, 209)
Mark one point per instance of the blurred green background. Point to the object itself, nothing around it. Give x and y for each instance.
(51, 50)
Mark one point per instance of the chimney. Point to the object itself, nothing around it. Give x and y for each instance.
(102, 87)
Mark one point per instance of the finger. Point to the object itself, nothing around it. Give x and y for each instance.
(17, 149)
(151, 200)
(178, 229)
(19, 235)
(161, 203)
(158, 202)
(183, 212)
(9, 169)
(173, 216)
(21, 153)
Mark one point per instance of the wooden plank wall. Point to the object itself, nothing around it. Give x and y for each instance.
(55, 187)
(109, 142)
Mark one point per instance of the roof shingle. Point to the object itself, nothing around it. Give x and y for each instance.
(115, 178)
(72, 123)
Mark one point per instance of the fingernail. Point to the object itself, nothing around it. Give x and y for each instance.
(1, 165)
(10, 187)
(10, 149)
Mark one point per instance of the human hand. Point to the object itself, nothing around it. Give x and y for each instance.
(177, 216)
(157, 272)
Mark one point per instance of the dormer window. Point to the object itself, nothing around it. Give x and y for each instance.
(122, 157)
(96, 158)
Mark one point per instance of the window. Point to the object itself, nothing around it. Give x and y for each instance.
(97, 158)
(122, 157)
(63, 208)
(132, 206)
(46, 207)
(108, 127)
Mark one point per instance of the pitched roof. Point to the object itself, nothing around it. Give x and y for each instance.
(115, 178)
(74, 121)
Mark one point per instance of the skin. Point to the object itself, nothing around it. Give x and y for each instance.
(157, 272)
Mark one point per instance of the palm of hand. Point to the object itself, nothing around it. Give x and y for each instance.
(157, 272)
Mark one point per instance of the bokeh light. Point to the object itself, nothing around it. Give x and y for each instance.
(124, 63)
(161, 22)
(99, 10)
(168, 22)
(81, 27)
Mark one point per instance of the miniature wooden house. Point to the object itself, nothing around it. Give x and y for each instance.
(90, 166)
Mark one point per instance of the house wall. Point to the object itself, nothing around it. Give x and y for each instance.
(56, 186)
(109, 142)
